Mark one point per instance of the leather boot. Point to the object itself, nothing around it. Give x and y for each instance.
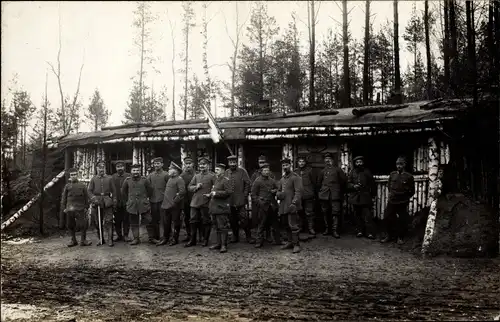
(236, 235)
(277, 238)
(335, 223)
(119, 237)
(175, 240)
(110, 231)
(188, 233)
(135, 234)
(201, 233)
(219, 242)
(295, 241)
(310, 227)
(126, 230)
(223, 247)
(249, 238)
(194, 231)
(73, 241)
(83, 240)
(206, 236)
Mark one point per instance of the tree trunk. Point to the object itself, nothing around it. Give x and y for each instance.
(496, 45)
(446, 48)
(347, 83)
(471, 49)
(397, 74)
(366, 66)
(44, 160)
(141, 86)
(261, 60)
(186, 66)
(428, 50)
(173, 76)
(312, 54)
(454, 54)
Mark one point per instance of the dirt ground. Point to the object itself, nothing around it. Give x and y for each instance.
(346, 279)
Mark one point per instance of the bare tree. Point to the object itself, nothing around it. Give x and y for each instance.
(471, 46)
(345, 39)
(397, 72)
(446, 47)
(428, 49)
(172, 37)
(45, 113)
(366, 64)
(312, 21)
(188, 25)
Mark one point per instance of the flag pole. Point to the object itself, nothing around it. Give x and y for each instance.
(212, 123)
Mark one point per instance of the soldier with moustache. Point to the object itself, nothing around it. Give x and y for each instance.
(262, 160)
(102, 193)
(240, 181)
(308, 194)
(122, 222)
(201, 187)
(172, 205)
(158, 180)
(290, 196)
(362, 189)
(401, 188)
(264, 191)
(332, 183)
(220, 206)
(74, 204)
(137, 190)
(187, 175)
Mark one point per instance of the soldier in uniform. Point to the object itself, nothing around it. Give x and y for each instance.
(220, 206)
(308, 194)
(103, 195)
(74, 203)
(290, 196)
(264, 191)
(332, 183)
(401, 188)
(361, 186)
(201, 187)
(158, 180)
(172, 205)
(137, 190)
(255, 213)
(187, 175)
(122, 222)
(240, 181)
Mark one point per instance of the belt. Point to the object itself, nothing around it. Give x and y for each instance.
(104, 194)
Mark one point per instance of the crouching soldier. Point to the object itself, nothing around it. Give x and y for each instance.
(175, 190)
(201, 187)
(401, 188)
(361, 186)
(102, 195)
(137, 190)
(219, 206)
(74, 204)
(289, 193)
(264, 191)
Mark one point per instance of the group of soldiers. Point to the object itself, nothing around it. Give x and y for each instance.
(124, 201)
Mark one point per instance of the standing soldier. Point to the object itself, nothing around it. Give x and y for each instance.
(240, 181)
(187, 175)
(122, 222)
(289, 194)
(201, 187)
(332, 182)
(308, 184)
(401, 188)
(362, 189)
(172, 205)
(74, 203)
(255, 213)
(264, 191)
(220, 206)
(103, 195)
(158, 180)
(137, 190)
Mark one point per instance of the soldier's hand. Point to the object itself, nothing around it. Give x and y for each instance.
(274, 191)
(292, 208)
(280, 195)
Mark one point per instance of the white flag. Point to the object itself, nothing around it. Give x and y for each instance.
(214, 131)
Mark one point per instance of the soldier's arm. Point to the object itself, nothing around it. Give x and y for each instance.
(246, 183)
(113, 190)
(193, 184)
(297, 185)
(86, 197)
(64, 197)
(255, 190)
(343, 180)
(149, 188)
(350, 181)
(125, 188)
(372, 184)
(411, 188)
(280, 194)
(181, 187)
(90, 188)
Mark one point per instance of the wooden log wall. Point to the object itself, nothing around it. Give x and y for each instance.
(241, 156)
(287, 152)
(345, 158)
(84, 158)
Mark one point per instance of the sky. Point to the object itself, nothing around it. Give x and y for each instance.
(101, 35)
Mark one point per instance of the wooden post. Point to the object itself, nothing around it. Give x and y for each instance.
(240, 155)
(433, 194)
(345, 157)
(287, 152)
(184, 153)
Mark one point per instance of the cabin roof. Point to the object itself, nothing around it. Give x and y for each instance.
(373, 116)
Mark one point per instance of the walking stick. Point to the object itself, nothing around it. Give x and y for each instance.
(101, 237)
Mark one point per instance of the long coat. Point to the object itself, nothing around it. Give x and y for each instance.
(118, 182)
(364, 194)
(332, 182)
(137, 191)
(240, 181)
(220, 202)
(102, 191)
(308, 182)
(289, 191)
(207, 181)
(187, 176)
(262, 194)
(401, 187)
(74, 197)
(174, 193)
(158, 180)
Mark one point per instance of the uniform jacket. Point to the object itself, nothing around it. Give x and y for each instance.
(308, 182)
(74, 197)
(102, 191)
(174, 193)
(240, 181)
(289, 191)
(118, 182)
(257, 173)
(363, 195)
(261, 192)
(220, 202)
(137, 191)
(401, 187)
(187, 176)
(332, 182)
(207, 180)
(158, 180)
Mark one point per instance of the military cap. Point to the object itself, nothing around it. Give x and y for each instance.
(262, 158)
(204, 160)
(232, 157)
(72, 170)
(302, 157)
(119, 162)
(401, 159)
(221, 166)
(174, 166)
(286, 160)
(188, 159)
(100, 163)
(359, 157)
(265, 165)
(136, 166)
(327, 155)
(158, 159)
